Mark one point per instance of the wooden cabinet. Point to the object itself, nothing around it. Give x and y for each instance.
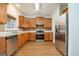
(26, 24)
(2, 45)
(47, 23)
(32, 36)
(40, 19)
(25, 37)
(20, 40)
(3, 13)
(32, 23)
(21, 21)
(48, 36)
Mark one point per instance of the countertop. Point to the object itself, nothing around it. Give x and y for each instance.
(4, 34)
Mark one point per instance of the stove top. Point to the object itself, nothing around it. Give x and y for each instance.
(40, 31)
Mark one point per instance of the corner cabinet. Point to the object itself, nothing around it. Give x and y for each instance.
(21, 21)
(20, 40)
(3, 13)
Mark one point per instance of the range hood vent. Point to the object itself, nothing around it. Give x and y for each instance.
(39, 24)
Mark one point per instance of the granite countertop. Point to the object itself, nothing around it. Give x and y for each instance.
(4, 34)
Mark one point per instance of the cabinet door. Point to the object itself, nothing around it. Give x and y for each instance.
(32, 36)
(20, 40)
(2, 45)
(25, 23)
(21, 21)
(40, 20)
(32, 23)
(48, 23)
(3, 13)
(26, 37)
(46, 36)
(50, 36)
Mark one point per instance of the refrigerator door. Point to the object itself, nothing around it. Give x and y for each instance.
(61, 34)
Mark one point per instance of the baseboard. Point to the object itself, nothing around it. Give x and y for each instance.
(47, 40)
(32, 40)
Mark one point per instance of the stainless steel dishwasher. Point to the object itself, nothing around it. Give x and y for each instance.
(12, 42)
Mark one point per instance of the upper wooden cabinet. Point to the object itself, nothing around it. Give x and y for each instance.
(48, 23)
(32, 23)
(26, 24)
(3, 13)
(39, 19)
(21, 21)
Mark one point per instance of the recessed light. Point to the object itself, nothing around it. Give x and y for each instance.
(37, 6)
(17, 5)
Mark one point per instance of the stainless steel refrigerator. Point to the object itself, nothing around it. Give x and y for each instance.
(61, 34)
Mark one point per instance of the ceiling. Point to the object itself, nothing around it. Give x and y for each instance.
(28, 9)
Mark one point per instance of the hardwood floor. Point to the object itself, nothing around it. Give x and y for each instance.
(37, 49)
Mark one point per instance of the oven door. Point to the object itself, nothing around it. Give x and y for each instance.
(40, 36)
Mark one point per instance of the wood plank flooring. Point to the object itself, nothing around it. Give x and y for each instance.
(37, 49)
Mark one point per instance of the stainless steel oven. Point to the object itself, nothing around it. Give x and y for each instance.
(40, 35)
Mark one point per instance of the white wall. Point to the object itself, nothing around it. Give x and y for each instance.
(55, 17)
(38, 15)
(73, 44)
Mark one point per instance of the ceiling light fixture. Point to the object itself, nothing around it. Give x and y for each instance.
(17, 5)
(37, 6)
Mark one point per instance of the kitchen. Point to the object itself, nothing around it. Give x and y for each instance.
(24, 26)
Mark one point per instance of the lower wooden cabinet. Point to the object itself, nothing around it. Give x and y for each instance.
(22, 38)
(25, 37)
(48, 36)
(2, 45)
(20, 41)
(32, 36)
